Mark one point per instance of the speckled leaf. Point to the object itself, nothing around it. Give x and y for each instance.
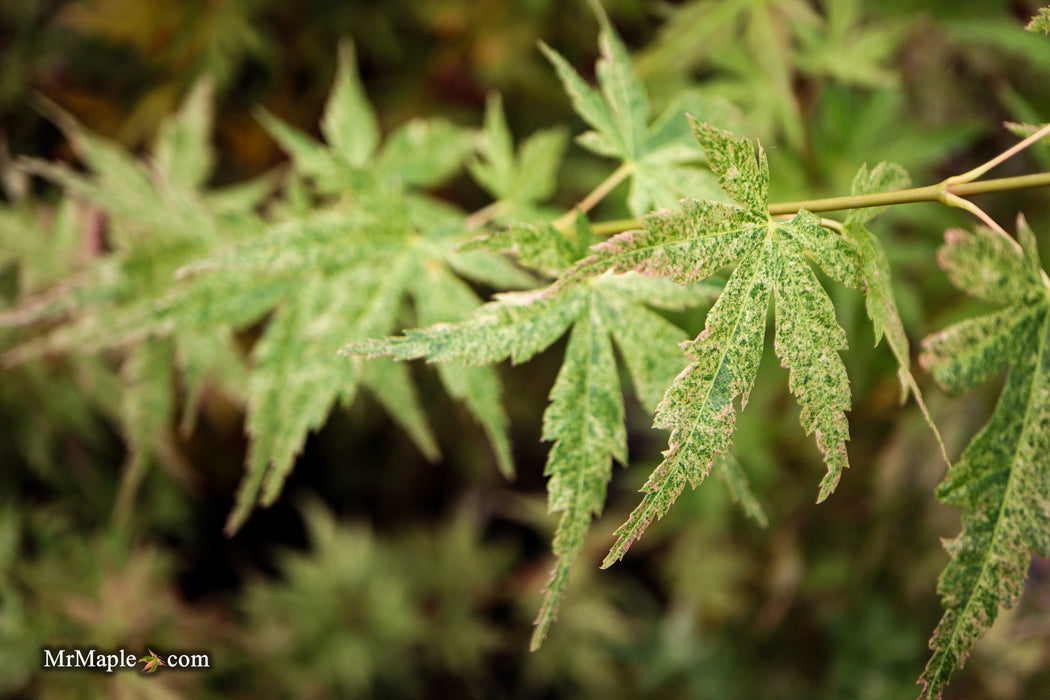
(585, 420)
(686, 246)
(741, 168)
(988, 266)
(441, 297)
(1041, 22)
(772, 255)
(973, 351)
(538, 245)
(808, 340)
(1002, 481)
(518, 325)
(698, 408)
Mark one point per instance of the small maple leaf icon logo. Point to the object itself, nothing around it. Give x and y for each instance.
(152, 662)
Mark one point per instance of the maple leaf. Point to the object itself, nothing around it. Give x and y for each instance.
(69, 396)
(585, 418)
(1041, 22)
(754, 54)
(518, 181)
(771, 257)
(1003, 477)
(658, 155)
(382, 240)
(157, 218)
(152, 662)
(194, 266)
(876, 283)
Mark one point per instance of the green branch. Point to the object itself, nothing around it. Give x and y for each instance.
(564, 223)
(947, 192)
(933, 193)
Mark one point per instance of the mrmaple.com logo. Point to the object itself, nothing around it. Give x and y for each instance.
(121, 660)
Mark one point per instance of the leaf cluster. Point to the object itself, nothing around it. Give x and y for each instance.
(250, 290)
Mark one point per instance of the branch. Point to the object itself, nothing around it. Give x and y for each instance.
(949, 192)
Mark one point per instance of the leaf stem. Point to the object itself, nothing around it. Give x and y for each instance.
(951, 192)
(607, 228)
(954, 200)
(484, 215)
(566, 221)
(985, 167)
(941, 192)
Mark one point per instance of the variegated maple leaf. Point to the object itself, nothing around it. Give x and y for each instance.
(585, 418)
(772, 258)
(1002, 480)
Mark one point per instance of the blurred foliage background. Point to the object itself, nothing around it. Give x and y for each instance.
(381, 575)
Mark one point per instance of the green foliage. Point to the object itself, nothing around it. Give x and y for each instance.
(757, 51)
(349, 597)
(154, 306)
(703, 238)
(519, 181)
(656, 155)
(585, 418)
(157, 220)
(1003, 476)
(64, 587)
(1041, 22)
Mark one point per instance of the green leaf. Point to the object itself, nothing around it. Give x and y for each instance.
(349, 125)
(147, 408)
(1041, 22)
(732, 472)
(661, 156)
(850, 47)
(585, 416)
(1003, 477)
(585, 420)
(517, 181)
(423, 153)
(195, 266)
(441, 298)
(393, 387)
(539, 246)
(874, 278)
(297, 376)
(648, 342)
(182, 151)
(771, 257)
(156, 220)
(310, 157)
(755, 53)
